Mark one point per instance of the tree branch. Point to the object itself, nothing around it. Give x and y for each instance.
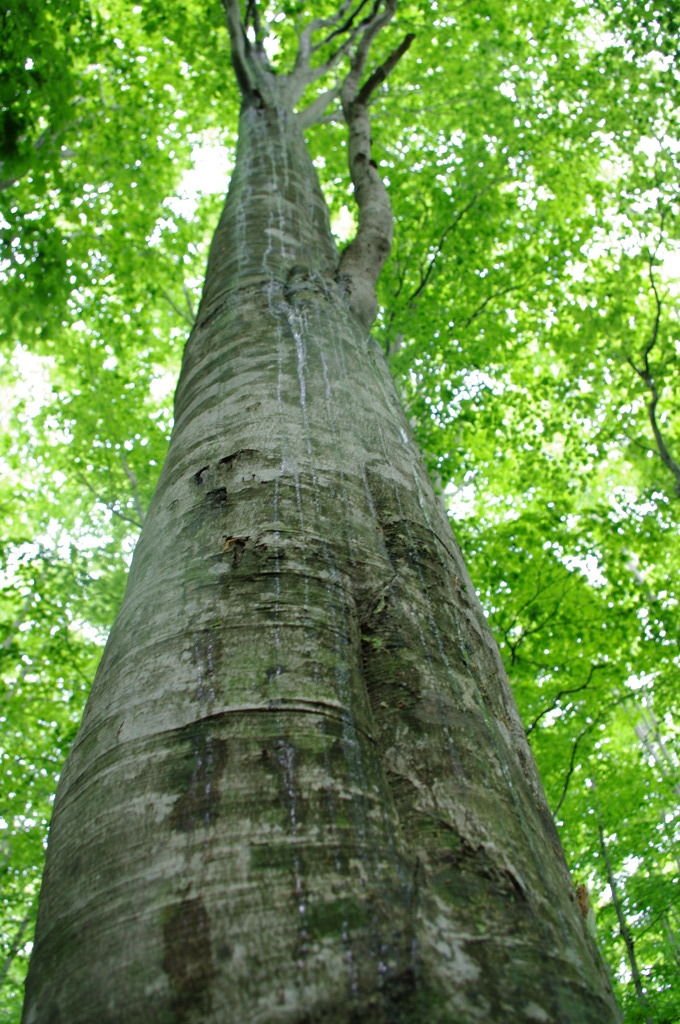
(134, 486)
(380, 74)
(572, 761)
(254, 21)
(20, 619)
(303, 74)
(178, 309)
(645, 374)
(110, 505)
(240, 50)
(190, 305)
(348, 24)
(14, 947)
(425, 277)
(313, 113)
(372, 25)
(564, 693)
(253, 17)
(364, 257)
(536, 628)
(496, 295)
(305, 48)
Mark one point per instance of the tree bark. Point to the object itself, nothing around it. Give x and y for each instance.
(301, 791)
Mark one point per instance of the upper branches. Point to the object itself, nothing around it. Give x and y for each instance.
(323, 44)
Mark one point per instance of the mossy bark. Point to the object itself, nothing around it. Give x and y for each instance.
(301, 791)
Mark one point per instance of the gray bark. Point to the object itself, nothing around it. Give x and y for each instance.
(301, 790)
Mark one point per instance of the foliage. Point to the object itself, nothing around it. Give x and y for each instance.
(530, 316)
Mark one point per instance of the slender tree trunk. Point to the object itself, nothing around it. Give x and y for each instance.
(301, 791)
(624, 930)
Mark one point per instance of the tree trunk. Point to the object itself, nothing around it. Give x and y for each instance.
(301, 791)
(624, 930)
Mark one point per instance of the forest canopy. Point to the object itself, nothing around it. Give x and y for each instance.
(529, 315)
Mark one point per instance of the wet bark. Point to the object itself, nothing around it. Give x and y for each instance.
(301, 791)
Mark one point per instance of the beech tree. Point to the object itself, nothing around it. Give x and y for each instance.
(301, 789)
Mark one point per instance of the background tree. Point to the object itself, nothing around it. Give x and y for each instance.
(533, 172)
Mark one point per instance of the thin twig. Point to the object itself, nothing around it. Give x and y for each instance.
(14, 948)
(424, 278)
(584, 732)
(564, 693)
(178, 309)
(134, 486)
(110, 505)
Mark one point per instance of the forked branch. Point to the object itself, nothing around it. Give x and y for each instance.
(355, 25)
(249, 59)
